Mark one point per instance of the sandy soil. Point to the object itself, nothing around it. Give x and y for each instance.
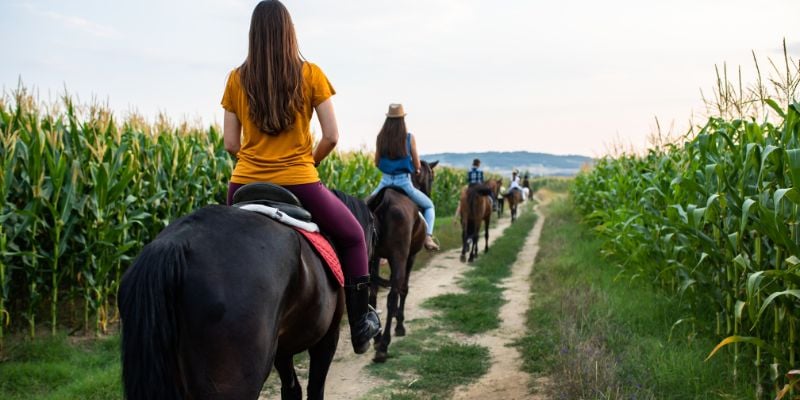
(504, 380)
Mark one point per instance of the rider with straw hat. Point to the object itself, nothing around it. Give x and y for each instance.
(397, 158)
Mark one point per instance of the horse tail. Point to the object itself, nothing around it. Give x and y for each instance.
(148, 301)
(473, 203)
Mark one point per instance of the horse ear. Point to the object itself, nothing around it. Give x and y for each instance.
(433, 164)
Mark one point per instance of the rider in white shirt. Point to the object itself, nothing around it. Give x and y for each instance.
(514, 181)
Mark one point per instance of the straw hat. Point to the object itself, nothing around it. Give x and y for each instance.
(395, 111)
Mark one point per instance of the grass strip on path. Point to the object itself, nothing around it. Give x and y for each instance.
(598, 338)
(477, 309)
(426, 364)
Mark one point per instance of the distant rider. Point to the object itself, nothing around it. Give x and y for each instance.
(475, 177)
(514, 182)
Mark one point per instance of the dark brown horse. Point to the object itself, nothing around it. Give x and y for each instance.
(513, 198)
(401, 234)
(476, 209)
(220, 296)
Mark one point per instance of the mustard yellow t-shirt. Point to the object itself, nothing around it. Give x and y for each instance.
(284, 159)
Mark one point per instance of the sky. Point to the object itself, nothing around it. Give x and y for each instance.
(561, 77)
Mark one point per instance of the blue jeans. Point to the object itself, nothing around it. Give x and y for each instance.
(403, 181)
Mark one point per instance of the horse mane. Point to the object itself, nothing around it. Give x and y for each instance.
(373, 201)
(363, 214)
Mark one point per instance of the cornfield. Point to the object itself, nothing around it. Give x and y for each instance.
(81, 193)
(80, 196)
(714, 220)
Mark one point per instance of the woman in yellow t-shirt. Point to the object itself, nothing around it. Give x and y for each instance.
(269, 101)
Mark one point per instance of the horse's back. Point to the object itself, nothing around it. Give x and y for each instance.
(243, 262)
(234, 249)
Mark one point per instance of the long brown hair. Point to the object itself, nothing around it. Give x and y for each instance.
(391, 141)
(272, 74)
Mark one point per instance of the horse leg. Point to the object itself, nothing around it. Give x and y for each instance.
(400, 330)
(397, 266)
(381, 354)
(473, 250)
(321, 356)
(290, 386)
(486, 234)
(464, 244)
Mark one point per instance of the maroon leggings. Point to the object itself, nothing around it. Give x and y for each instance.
(333, 218)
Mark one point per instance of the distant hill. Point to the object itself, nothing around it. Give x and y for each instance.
(503, 162)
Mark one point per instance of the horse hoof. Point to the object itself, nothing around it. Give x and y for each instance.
(463, 258)
(400, 331)
(380, 357)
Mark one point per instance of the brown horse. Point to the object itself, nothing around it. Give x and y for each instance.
(494, 185)
(400, 236)
(476, 208)
(220, 296)
(514, 198)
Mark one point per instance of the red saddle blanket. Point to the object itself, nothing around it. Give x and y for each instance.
(326, 251)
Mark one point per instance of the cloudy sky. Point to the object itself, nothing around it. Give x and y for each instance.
(564, 77)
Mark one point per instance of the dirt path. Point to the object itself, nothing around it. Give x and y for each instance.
(505, 379)
(347, 380)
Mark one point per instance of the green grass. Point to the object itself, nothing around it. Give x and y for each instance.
(596, 337)
(61, 368)
(476, 310)
(428, 365)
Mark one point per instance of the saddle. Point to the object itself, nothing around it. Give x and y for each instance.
(277, 197)
(373, 201)
(271, 195)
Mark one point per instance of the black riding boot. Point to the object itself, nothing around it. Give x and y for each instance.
(364, 321)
